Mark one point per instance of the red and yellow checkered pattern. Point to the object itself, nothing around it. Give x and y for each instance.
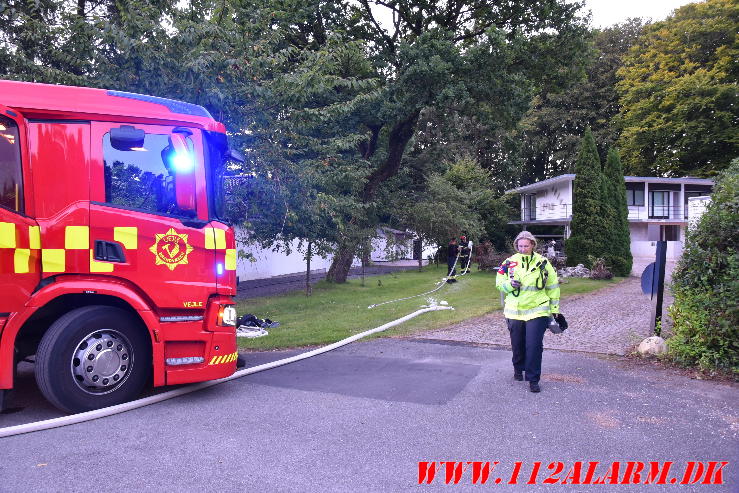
(215, 239)
(20, 248)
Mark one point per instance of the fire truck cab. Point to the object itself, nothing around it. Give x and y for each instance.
(116, 265)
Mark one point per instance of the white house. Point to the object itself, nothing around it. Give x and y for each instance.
(658, 208)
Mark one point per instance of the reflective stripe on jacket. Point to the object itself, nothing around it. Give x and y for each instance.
(536, 297)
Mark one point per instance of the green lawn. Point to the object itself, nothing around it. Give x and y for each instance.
(334, 311)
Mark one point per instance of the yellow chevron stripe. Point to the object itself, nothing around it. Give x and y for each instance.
(226, 358)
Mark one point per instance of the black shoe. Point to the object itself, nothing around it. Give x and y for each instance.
(534, 387)
(518, 375)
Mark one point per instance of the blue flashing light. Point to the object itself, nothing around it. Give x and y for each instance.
(173, 105)
(219, 269)
(183, 162)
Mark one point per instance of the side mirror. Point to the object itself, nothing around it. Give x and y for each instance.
(182, 163)
(234, 155)
(126, 137)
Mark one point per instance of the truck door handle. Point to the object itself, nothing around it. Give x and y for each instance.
(109, 251)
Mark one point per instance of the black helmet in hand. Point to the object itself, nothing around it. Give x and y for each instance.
(558, 324)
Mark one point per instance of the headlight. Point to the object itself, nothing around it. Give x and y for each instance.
(227, 315)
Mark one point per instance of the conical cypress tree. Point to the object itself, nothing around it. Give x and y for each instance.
(589, 228)
(618, 250)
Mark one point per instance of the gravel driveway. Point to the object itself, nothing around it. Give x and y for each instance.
(611, 320)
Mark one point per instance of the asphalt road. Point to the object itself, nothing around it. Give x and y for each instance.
(360, 418)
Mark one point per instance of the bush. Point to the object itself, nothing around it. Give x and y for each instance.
(599, 270)
(706, 284)
(487, 258)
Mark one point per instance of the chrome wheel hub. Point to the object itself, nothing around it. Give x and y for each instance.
(102, 361)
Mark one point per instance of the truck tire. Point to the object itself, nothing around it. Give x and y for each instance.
(93, 357)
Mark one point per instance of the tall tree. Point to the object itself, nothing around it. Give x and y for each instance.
(589, 226)
(679, 101)
(456, 201)
(310, 84)
(552, 130)
(457, 57)
(618, 252)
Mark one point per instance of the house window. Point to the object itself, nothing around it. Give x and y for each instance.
(530, 205)
(659, 204)
(635, 197)
(11, 183)
(670, 233)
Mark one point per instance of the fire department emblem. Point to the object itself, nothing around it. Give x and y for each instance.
(171, 249)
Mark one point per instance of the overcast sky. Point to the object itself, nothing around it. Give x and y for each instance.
(605, 12)
(609, 12)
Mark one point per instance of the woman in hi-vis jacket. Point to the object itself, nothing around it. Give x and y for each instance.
(532, 296)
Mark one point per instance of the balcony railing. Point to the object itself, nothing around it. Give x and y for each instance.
(547, 211)
(668, 212)
(636, 213)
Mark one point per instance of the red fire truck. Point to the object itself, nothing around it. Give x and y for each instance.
(116, 266)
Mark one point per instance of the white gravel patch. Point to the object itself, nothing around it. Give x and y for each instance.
(612, 320)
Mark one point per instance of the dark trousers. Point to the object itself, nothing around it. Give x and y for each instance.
(451, 271)
(527, 342)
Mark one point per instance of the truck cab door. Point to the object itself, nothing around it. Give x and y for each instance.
(148, 212)
(20, 240)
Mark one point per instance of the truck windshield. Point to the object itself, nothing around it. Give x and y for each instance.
(142, 178)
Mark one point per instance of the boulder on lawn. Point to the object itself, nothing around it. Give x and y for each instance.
(652, 345)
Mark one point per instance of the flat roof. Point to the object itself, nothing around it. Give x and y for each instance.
(35, 100)
(543, 183)
(688, 180)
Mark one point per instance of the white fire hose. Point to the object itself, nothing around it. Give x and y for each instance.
(128, 406)
(439, 285)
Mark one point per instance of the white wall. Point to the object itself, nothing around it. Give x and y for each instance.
(638, 232)
(384, 249)
(397, 250)
(553, 202)
(696, 208)
(642, 247)
(268, 263)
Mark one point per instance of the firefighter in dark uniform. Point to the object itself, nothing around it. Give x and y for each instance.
(464, 254)
(452, 253)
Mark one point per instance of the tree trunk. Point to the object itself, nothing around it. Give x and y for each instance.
(308, 255)
(398, 138)
(341, 264)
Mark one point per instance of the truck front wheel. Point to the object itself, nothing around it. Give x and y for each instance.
(93, 357)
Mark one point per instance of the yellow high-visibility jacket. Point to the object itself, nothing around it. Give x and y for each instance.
(538, 295)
